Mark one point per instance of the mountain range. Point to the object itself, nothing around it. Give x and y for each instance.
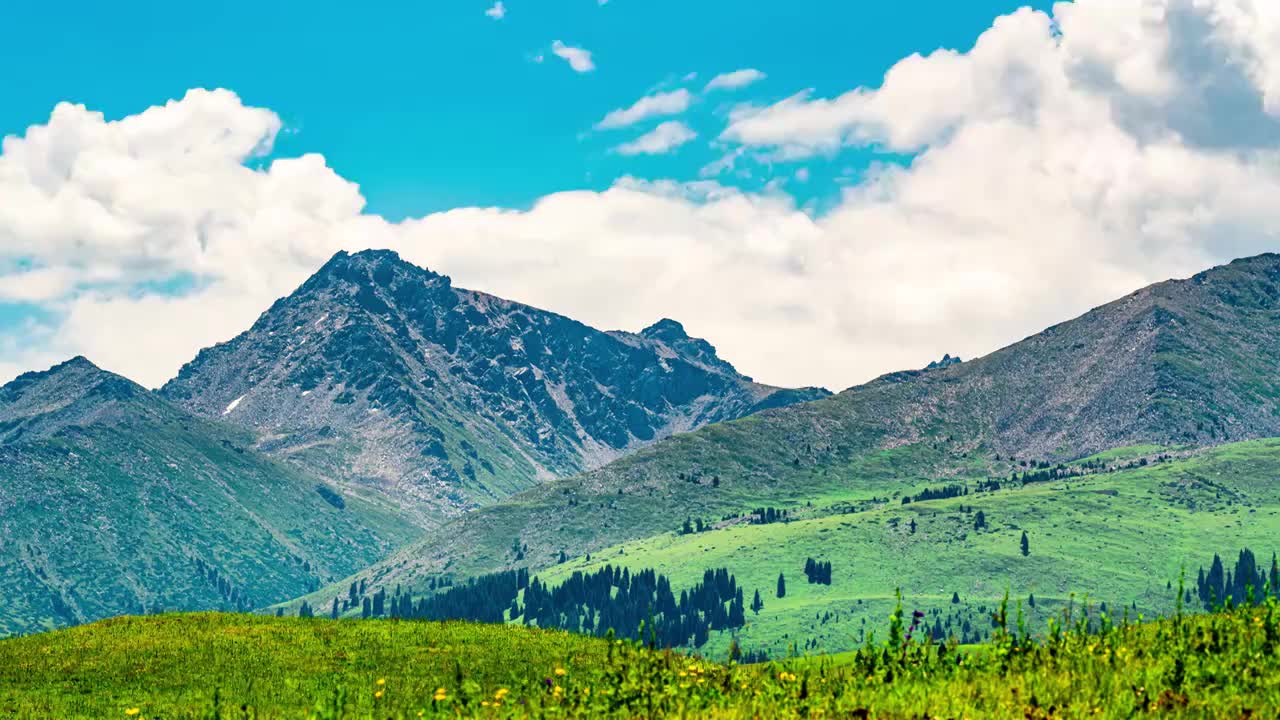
(375, 402)
(379, 374)
(1173, 367)
(379, 428)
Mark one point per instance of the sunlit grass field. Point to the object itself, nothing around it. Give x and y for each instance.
(1122, 538)
(237, 666)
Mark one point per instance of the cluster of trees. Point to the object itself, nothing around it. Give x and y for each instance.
(1246, 584)
(941, 493)
(616, 599)
(1046, 474)
(234, 596)
(639, 605)
(818, 572)
(768, 515)
(695, 525)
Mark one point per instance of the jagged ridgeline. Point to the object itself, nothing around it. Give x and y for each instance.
(373, 402)
(379, 374)
(1181, 364)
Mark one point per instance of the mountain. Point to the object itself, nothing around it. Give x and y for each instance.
(380, 374)
(1182, 363)
(114, 501)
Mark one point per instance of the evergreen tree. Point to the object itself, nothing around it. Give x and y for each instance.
(756, 603)
(782, 586)
(979, 520)
(334, 612)
(1026, 547)
(955, 598)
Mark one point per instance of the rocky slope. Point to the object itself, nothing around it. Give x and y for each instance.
(114, 501)
(379, 374)
(1189, 362)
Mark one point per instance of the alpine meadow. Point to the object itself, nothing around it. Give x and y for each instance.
(264, 456)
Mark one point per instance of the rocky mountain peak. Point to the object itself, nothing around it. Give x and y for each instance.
(75, 392)
(665, 329)
(385, 374)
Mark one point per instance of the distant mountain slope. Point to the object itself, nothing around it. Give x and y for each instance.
(114, 501)
(379, 373)
(1193, 362)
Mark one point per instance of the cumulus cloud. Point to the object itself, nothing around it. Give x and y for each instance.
(661, 140)
(578, 58)
(1059, 163)
(664, 103)
(498, 11)
(734, 80)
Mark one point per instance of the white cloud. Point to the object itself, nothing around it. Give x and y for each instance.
(664, 103)
(498, 11)
(736, 79)
(578, 59)
(802, 175)
(661, 140)
(1057, 165)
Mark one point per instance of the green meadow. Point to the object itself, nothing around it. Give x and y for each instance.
(1120, 538)
(237, 666)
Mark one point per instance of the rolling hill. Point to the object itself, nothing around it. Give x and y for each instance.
(1187, 363)
(381, 375)
(113, 501)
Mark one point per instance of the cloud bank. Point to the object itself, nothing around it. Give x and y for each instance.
(1061, 162)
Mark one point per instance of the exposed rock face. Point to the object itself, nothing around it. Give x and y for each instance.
(381, 373)
(1191, 362)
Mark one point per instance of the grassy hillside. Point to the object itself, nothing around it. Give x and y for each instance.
(112, 501)
(224, 666)
(1179, 363)
(1120, 537)
(1120, 533)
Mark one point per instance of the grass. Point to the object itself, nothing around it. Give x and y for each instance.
(1122, 537)
(235, 666)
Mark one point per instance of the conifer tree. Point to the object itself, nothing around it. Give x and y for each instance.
(1026, 547)
(756, 603)
(782, 586)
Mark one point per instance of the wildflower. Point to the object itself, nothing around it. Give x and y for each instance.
(440, 695)
(557, 691)
(561, 672)
(382, 681)
(378, 694)
(502, 692)
(132, 711)
(485, 703)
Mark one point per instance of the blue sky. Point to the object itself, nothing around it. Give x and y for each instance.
(432, 105)
(892, 202)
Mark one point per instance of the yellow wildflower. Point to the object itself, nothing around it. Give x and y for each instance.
(557, 691)
(484, 703)
(561, 672)
(382, 681)
(132, 711)
(440, 695)
(378, 694)
(502, 692)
